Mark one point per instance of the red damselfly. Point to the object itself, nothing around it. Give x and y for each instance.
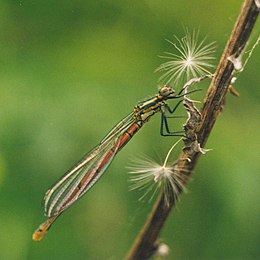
(80, 178)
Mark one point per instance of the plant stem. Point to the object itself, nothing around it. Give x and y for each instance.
(145, 243)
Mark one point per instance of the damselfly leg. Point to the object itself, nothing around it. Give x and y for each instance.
(164, 129)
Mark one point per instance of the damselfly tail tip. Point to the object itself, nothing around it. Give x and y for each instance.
(41, 231)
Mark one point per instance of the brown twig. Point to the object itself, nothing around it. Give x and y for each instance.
(145, 244)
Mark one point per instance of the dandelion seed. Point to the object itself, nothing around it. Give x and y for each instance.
(193, 59)
(151, 177)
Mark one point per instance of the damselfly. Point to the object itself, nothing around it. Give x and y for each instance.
(80, 178)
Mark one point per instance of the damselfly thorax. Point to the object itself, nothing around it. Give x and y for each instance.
(145, 109)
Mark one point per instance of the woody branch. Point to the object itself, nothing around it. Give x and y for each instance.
(145, 244)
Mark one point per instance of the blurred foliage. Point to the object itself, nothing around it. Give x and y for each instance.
(65, 67)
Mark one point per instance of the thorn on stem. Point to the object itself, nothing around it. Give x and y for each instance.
(237, 62)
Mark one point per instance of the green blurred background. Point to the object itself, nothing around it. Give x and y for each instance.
(69, 71)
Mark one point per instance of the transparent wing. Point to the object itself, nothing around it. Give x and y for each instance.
(80, 178)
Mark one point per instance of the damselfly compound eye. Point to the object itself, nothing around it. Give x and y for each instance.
(166, 91)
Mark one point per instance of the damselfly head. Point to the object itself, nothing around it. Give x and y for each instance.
(166, 91)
